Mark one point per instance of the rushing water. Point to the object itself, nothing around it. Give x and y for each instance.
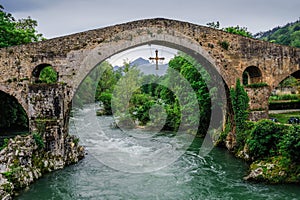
(216, 176)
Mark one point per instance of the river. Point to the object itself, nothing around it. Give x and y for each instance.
(218, 175)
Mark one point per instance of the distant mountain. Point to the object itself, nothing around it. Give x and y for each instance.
(286, 35)
(139, 61)
(147, 67)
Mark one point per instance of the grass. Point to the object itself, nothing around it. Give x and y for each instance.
(283, 117)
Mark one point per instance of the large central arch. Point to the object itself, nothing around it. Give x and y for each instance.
(138, 37)
(176, 40)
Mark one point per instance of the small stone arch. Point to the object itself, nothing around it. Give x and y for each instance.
(252, 75)
(37, 72)
(14, 100)
(291, 88)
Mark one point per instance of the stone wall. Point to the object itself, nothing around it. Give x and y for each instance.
(24, 160)
(258, 102)
(48, 114)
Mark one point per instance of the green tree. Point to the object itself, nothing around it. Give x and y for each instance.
(16, 32)
(286, 35)
(188, 69)
(48, 75)
(127, 86)
(107, 79)
(290, 144)
(265, 137)
(240, 104)
(289, 82)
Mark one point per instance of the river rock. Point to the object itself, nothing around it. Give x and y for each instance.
(23, 162)
(254, 175)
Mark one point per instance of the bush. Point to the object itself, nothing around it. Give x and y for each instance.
(105, 98)
(241, 137)
(141, 105)
(265, 138)
(224, 44)
(38, 140)
(256, 85)
(5, 143)
(290, 144)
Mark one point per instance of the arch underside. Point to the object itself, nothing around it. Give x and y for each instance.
(13, 111)
(175, 41)
(252, 75)
(17, 95)
(154, 36)
(295, 74)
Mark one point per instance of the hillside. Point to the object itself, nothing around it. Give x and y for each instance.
(286, 35)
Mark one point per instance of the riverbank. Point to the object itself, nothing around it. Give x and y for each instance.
(271, 149)
(24, 160)
(219, 175)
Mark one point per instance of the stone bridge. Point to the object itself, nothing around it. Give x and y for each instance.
(74, 56)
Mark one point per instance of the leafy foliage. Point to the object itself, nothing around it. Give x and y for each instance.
(48, 75)
(16, 32)
(189, 69)
(238, 31)
(107, 80)
(290, 144)
(12, 114)
(101, 80)
(240, 104)
(39, 140)
(224, 44)
(231, 29)
(5, 143)
(286, 35)
(105, 98)
(289, 82)
(256, 85)
(265, 138)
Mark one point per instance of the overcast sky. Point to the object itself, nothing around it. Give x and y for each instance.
(63, 17)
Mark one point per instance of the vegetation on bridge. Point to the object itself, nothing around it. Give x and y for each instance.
(16, 32)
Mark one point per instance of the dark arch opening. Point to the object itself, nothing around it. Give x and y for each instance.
(44, 73)
(13, 118)
(216, 80)
(252, 75)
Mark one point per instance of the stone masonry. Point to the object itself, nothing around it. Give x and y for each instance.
(74, 56)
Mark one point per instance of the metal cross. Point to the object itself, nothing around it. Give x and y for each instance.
(156, 58)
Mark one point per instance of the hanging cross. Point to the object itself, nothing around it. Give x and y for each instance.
(156, 58)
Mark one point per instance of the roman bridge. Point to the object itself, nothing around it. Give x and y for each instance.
(74, 56)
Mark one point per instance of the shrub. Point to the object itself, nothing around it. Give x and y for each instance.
(38, 140)
(5, 143)
(290, 144)
(224, 45)
(141, 105)
(264, 139)
(240, 104)
(105, 98)
(257, 85)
